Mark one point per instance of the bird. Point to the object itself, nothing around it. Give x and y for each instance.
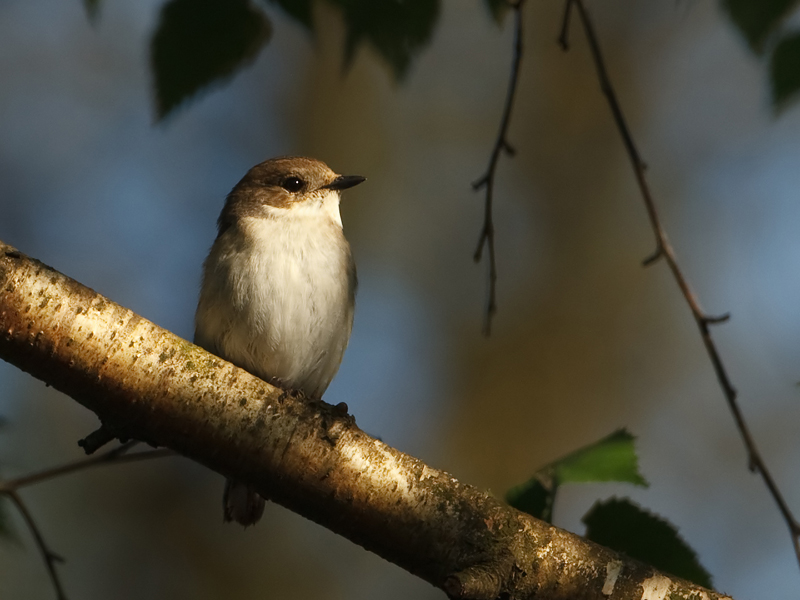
(277, 296)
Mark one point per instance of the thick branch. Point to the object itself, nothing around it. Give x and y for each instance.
(308, 456)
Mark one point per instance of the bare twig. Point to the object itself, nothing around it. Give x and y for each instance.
(50, 557)
(9, 488)
(117, 455)
(664, 250)
(486, 181)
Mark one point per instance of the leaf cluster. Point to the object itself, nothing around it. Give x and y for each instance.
(764, 24)
(616, 523)
(199, 43)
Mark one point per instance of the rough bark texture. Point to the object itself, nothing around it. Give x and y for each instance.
(146, 383)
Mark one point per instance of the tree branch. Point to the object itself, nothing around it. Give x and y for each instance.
(305, 455)
(486, 181)
(664, 250)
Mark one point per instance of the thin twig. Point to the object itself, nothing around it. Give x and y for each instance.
(9, 488)
(117, 455)
(563, 38)
(50, 557)
(664, 250)
(487, 180)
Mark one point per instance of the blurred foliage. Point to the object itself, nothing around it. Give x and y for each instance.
(762, 23)
(617, 524)
(498, 8)
(613, 458)
(785, 70)
(198, 42)
(622, 525)
(92, 8)
(206, 41)
(757, 19)
(299, 10)
(397, 30)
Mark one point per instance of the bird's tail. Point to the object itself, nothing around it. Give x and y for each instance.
(241, 503)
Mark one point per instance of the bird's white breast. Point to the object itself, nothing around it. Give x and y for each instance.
(278, 296)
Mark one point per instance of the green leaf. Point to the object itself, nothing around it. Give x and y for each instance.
(92, 8)
(613, 458)
(299, 10)
(498, 8)
(784, 70)
(622, 525)
(397, 29)
(534, 498)
(757, 19)
(199, 42)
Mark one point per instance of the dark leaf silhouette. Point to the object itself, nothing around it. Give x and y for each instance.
(498, 8)
(92, 9)
(534, 498)
(199, 42)
(299, 10)
(785, 70)
(622, 525)
(757, 19)
(396, 29)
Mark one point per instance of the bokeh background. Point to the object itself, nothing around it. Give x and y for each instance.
(585, 340)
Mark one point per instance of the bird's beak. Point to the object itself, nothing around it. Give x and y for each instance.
(342, 182)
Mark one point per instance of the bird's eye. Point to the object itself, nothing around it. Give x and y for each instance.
(292, 184)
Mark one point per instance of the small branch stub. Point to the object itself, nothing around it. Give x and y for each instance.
(475, 583)
(99, 438)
